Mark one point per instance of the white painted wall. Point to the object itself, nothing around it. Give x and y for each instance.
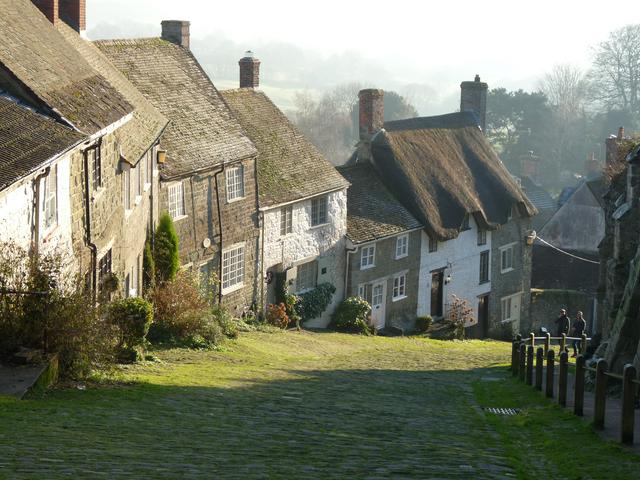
(325, 243)
(463, 253)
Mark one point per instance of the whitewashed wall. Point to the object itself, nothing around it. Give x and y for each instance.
(463, 253)
(305, 243)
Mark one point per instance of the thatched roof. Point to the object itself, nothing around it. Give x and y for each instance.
(443, 168)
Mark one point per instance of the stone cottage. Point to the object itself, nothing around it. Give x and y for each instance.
(445, 173)
(208, 182)
(384, 244)
(43, 62)
(303, 199)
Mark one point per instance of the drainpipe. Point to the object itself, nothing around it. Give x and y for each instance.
(263, 305)
(346, 269)
(193, 214)
(35, 233)
(215, 176)
(92, 246)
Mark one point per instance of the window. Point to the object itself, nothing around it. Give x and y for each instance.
(126, 187)
(286, 220)
(365, 292)
(506, 258)
(127, 285)
(367, 257)
(402, 246)
(506, 309)
(482, 236)
(235, 183)
(307, 276)
(399, 287)
(465, 223)
(176, 200)
(318, 211)
(95, 155)
(135, 278)
(233, 267)
(433, 245)
(143, 170)
(50, 190)
(484, 267)
(104, 266)
(151, 166)
(138, 180)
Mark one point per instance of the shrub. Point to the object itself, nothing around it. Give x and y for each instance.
(458, 314)
(313, 303)
(277, 315)
(351, 316)
(133, 317)
(166, 248)
(148, 268)
(423, 323)
(226, 321)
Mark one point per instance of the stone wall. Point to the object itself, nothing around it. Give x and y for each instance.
(400, 313)
(546, 305)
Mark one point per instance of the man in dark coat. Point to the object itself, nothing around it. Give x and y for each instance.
(579, 327)
(562, 323)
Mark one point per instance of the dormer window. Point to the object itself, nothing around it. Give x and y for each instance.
(50, 197)
(465, 223)
(95, 162)
(235, 183)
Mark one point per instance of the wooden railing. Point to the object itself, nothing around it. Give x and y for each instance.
(522, 365)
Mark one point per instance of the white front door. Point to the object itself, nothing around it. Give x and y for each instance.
(378, 296)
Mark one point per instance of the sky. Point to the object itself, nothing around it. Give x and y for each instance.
(509, 43)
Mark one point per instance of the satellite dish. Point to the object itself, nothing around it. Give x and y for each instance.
(206, 243)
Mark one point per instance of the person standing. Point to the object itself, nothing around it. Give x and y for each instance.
(579, 327)
(562, 323)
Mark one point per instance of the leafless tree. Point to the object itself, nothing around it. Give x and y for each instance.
(565, 87)
(616, 70)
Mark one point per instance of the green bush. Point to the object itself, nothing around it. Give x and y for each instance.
(148, 269)
(423, 323)
(166, 250)
(133, 317)
(313, 303)
(351, 316)
(226, 321)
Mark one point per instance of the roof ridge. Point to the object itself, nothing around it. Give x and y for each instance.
(118, 41)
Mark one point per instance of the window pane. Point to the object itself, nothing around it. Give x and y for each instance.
(235, 183)
(318, 211)
(233, 267)
(307, 276)
(286, 220)
(176, 200)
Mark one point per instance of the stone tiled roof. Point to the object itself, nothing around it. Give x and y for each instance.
(28, 139)
(290, 167)
(53, 72)
(540, 198)
(203, 132)
(443, 168)
(137, 135)
(372, 211)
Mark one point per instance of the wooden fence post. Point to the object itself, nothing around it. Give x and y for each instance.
(628, 398)
(547, 343)
(563, 342)
(578, 399)
(550, 366)
(521, 364)
(600, 394)
(530, 365)
(583, 344)
(514, 358)
(539, 367)
(562, 378)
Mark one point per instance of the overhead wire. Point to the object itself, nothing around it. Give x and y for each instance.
(542, 240)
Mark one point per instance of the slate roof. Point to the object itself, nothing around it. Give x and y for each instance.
(140, 133)
(38, 56)
(203, 132)
(442, 168)
(599, 189)
(28, 140)
(538, 196)
(290, 167)
(372, 211)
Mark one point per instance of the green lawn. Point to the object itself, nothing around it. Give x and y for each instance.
(307, 405)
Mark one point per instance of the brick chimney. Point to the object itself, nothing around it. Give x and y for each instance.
(50, 9)
(74, 13)
(371, 112)
(612, 145)
(473, 98)
(176, 31)
(249, 71)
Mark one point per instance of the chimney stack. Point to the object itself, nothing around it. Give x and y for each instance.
(74, 13)
(620, 133)
(612, 145)
(371, 112)
(473, 98)
(249, 71)
(50, 9)
(176, 31)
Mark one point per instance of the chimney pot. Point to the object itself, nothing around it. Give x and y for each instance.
(177, 31)
(620, 133)
(371, 112)
(50, 9)
(249, 70)
(473, 98)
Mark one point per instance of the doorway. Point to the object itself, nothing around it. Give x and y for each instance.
(437, 292)
(378, 296)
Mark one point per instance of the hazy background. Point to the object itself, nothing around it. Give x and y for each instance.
(420, 49)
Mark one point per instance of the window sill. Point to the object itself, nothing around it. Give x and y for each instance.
(320, 225)
(397, 299)
(146, 187)
(180, 217)
(138, 200)
(402, 256)
(234, 200)
(228, 290)
(507, 320)
(368, 267)
(49, 232)
(484, 282)
(97, 194)
(507, 270)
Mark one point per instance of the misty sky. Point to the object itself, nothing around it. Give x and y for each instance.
(509, 43)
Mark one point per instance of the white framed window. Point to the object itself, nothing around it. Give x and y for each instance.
(50, 197)
(307, 276)
(319, 210)
(233, 268)
(286, 220)
(138, 181)
(510, 308)
(365, 291)
(506, 309)
(433, 245)
(402, 246)
(506, 258)
(176, 200)
(482, 236)
(235, 183)
(368, 257)
(126, 187)
(399, 287)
